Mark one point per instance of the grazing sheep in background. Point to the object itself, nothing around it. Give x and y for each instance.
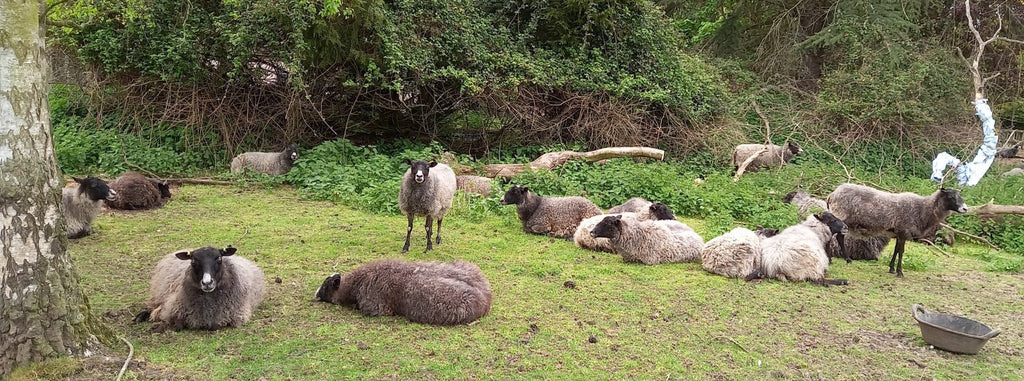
(906, 216)
(650, 242)
(271, 163)
(798, 252)
(424, 292)
(805, 202)
(776, 156)
(136, 192)
(735, 254)
(861, 248)
(473, 184)
(206, 288)
(553, 216)
(427, 190)
(82, 204)
(1009, 152)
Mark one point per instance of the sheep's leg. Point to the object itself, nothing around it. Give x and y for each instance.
(438, 240)
(430, 223)
(899, 262)
(408, 233)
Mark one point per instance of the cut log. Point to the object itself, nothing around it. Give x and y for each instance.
(992, 209)
(551, 160)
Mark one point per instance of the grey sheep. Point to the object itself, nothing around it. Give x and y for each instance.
(271, 163)
(473, 184)
(137, 192)
(583, 239)
(1019, 170)
(553, 216)
(1009, 152)
(798, 252)
(206, 288)
(776, 156)
(427, 190)
(424, 292)
(806, 203)
(650, 242)
(861, 248)
(82, 204)
(906, 216)
(735, 254)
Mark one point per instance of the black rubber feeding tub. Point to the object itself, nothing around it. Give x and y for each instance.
(951, 332)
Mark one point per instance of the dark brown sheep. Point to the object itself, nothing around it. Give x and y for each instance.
(138, 192)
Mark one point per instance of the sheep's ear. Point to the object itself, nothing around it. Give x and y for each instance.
(77, 180)
(433, 163)
(184, 255)
(228, 251)
(407, 162)
(525, 189)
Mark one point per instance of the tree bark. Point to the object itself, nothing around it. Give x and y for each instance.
(992, 209)
(43, 312)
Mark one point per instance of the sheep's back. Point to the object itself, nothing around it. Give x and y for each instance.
(263, 162)
(869, 211)
(134, 191)
(560, 216)
(633, 205)
(734, 254)
(446, 294)
(795, 254)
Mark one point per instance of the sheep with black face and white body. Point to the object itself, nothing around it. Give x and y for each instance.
(427, 190)
(82, 204)
(650, 242)
(553, 216)
(798, 252)
(855, 247)
(271, 163)
(583, 239)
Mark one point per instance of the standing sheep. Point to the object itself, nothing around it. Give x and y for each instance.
(775, 156)
(735, 254)
(554, 216)
(650, 242)
(271, 163)
(136, 192)
(82, 204)
(855, 247)
(906, 216)
(798, 252)
(424, 292)
(427, 190)
(583, 239)
(206, 288)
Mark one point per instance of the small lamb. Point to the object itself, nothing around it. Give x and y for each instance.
(424, 292)
(206, 288)
(271, 163)
(427, 190)
(798, 252)
(82, 204)
(650, 242)
(553, 216)
(775, 156)
(138, 192)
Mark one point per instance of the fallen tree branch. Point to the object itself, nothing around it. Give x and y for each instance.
(551, 160)
(743, 166)
(961, 232)
(199, 181)
(991, 209)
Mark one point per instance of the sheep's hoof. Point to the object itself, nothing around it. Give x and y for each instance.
(899, 274)
(438, 241)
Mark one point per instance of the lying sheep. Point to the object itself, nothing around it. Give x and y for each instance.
(271, 163)
(650, 242)
(775, 156)
(583, 239)
(1019, 170)
(1009, 152)
(553, 216)
(82, 204)
(806, 203)
(906, 216)
(427, 190)
(473, 184)
(206, 288)
(735, 254)
(798, 252)
(137, 192)
(424, 292)
(861, 248)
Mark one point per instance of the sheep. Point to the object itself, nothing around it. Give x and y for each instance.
(1017, 171)
(798, 252)
(650, 242)
(135, 191)
(583, 239)
(905, 216)
(271, 163)
(775, 156)
(735, 254)
(427, 190)
(205, 288)
(553, 216)
(424, 292)
(473, 184)
(1009, 152)
(82, 204)
(806, 203)
(866, 248)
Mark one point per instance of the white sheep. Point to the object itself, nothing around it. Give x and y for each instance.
(650, 242)
(427, 190)
(798, 252)
(735, 254)
(271, 163)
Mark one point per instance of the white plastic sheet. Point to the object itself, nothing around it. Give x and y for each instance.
(972, 172)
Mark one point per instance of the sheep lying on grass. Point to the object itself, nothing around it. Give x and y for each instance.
(583, 239)
(798, 252)
(271, 163)
(553, 216)
(735, 254)
(866, 248)
(424, 292)
(82, 204)
(427, 190)
(206, 288)
(473, 184)
(906, 216)
(650, 242)
(137, 192)
(775, 156)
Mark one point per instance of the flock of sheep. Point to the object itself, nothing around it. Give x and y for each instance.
(211, 288)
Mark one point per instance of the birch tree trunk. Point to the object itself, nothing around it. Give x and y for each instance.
(43, 312)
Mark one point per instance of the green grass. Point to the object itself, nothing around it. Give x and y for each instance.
(651, 322)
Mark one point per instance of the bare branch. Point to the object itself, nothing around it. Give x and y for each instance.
(983, 81)
(1011, 40)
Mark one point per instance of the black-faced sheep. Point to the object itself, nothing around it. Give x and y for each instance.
(1009, 152)
(424, 292)
(427, 190)
(82, 204)
(137, 192)
(553, 216)
(583, 239)
(650, 242)
(798, 252)
(775, 156)
(866, 248)
(271, 163)
(906, 216)
(206, 288)
(735, 254)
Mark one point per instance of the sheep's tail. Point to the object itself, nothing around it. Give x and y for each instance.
(142, 316)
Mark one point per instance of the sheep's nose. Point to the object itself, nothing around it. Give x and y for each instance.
(963, 209)
(112, 195)
(207, 284)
